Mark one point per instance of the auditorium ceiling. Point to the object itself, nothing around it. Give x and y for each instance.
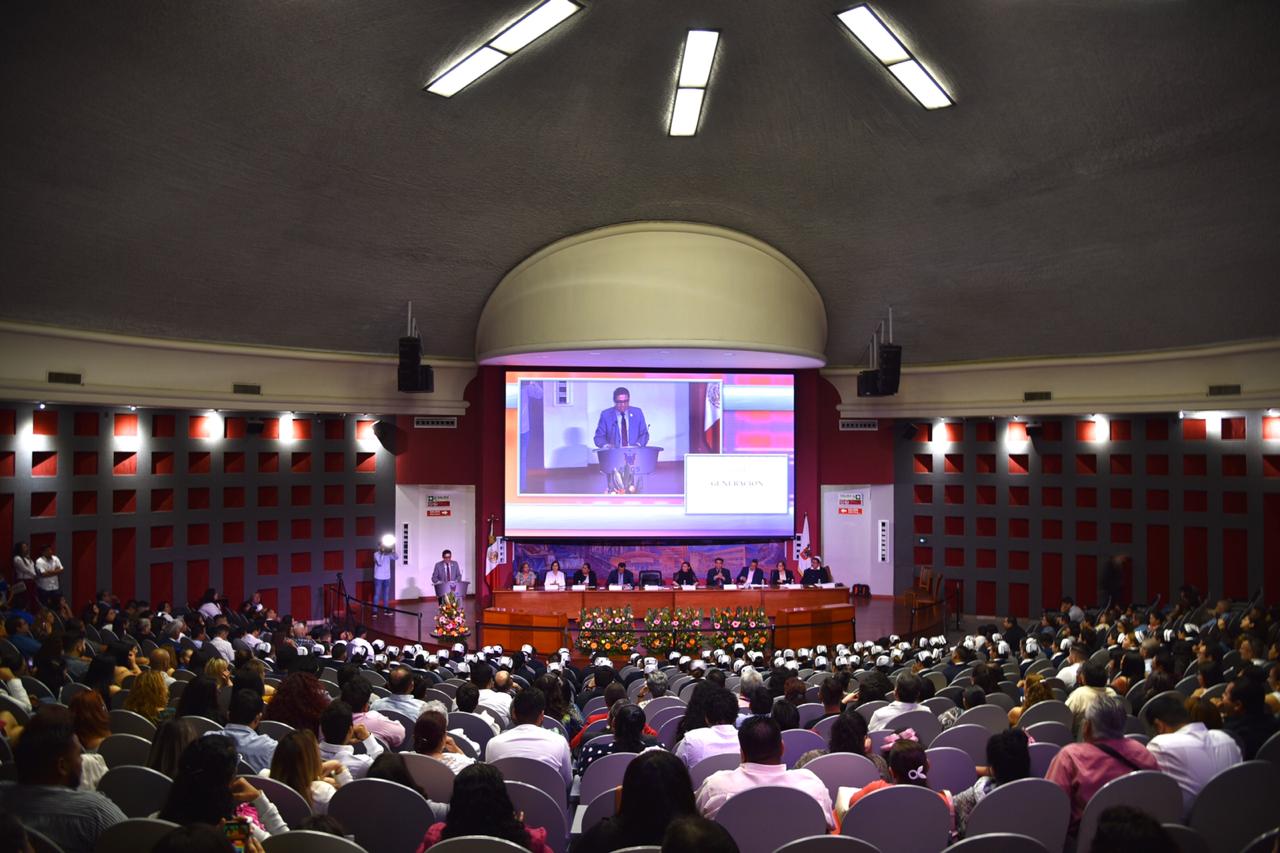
(272, 172)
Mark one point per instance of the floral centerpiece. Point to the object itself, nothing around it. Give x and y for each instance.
(607, 631)
(673, 630)
(746, 625)
(450, 620)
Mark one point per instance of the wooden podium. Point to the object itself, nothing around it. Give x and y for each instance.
(511, 629)
(805, 627)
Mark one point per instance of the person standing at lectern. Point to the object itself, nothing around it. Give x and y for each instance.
(383, 559)
(685, 577)
(586, 576)
(816, 573)
(554, 578)
(719, 575)
(752, 574)
(622, 425)
(622, 575)
(446, 570)
(781, 574)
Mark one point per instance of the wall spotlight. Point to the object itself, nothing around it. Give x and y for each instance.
(40, 406)
(389, 540)
(133, 408)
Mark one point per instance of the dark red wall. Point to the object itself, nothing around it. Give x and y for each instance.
(852, 458)
(443, 456)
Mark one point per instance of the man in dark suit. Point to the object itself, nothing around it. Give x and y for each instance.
(719, 575)
(586, 575)
(816, 573)
(622, 425)
(751, 574)
(622, 575)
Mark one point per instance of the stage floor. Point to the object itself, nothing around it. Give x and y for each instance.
(878, 617)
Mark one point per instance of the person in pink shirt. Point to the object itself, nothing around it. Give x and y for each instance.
(760, 742)
(356, 692)
(1081, 769)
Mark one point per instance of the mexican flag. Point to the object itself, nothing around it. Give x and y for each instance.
(711, 418)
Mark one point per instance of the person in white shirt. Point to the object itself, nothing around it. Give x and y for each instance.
(528, 739)
(401, 700)
(907, 694)
(1094, 687)
(24, 568)
(554, 579)
(718, 737)
(340, 736)
(496, 701)
(209, 607)
(221, 644)
(1187, 751)
(48, 567)
(1075, 659)
(761, 750)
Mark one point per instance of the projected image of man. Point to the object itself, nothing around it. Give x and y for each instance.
(622, 424)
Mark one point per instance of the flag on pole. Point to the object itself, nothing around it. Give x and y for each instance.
(495, 555)
(803, 550)
(711, 418)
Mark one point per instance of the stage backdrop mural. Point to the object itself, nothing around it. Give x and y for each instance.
(642, 556)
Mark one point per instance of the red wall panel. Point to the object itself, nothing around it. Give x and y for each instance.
(1086, 580)
(444, 455)
(84, 567)
(161, 583)
(300, 602)
(1271, 545)
(124, 561)
(6, 532)
(985, 603)
(1050, 580)
(1235, 563)
(1019, 599)
(1158, 561)
(1195, 557)
(233, 579)
(197, 579)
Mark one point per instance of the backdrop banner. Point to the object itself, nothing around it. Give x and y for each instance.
(640, 556)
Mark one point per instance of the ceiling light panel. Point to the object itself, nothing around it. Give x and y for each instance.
(539, 21)
(696, 59)
(686, 112)
(881, 42)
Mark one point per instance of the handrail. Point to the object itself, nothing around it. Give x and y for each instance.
(350, 598)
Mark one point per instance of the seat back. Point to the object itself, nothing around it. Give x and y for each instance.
(594, 706)
(133, 835)
(796, 742)
(950, 769)
(274, 729)
(362, 807)
(118, 750)
(204, 725)
(822, 728)
(555, 726)
(540, 810)
(601, 806)
(1146, 790)
(1034, 807)
(655, 719)
(755, 818)
(604, 774)
(828, 844)
(1270, 751)
(1237, 805)
(938, 704)
(1188, 840)
(540, 775)
(971, 739)
(922, 721)
(843, 769)
(128, 723)
(1004, 702)
(309, 841)
(661, 702)
(473, 726)
(993, 718)
(669, 731)
(292, 806)
(809, 712)
(999, 842)
(433, 777)
(869, 708)
(901, 818)
(408, 723)
(475, 844)
(438, 695)
(713, 764)
(1047, 711)
(136, 791)
(1042, 755)
(1050, 732)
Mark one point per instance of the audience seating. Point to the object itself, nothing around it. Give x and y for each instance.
(555, 726)
(364, 805)
(828, 844)
(307, 841)
(204, 725)
(921, 721)
(1050, 732)
(1186, 839)
(274, 729)
(1236, 806)
(603, 805)
(950, 769)
(604, 774)
(1004, 702)
(470, 844)
(1264, 843)
(868, 708)
(594, 705)
(823, 727)
(540, 810)
(438, 695)
(1146, 790)
(670, 731)
(993, 718)
(42, 843)
(1000, 842)
(136, 791)
(433, 777)
(663, 702)
(845, 769)
(36, 689)
(291, 805)
(752, 818)
(809, 712)
(68, 691)
(8, 703)
(900, 818)
(796, 742)
(1033, 807)
(1270, 751)
(1042, 755)
(878, 739)
(118, 750)
(539, 774)
(655, 718)
(473, 726)
(938, 704)
(128, 723)
(1050, 710)
(713, 764)
(133, 835)
(969, 738)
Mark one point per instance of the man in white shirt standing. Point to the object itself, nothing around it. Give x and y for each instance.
(48, 567)
(907, 694)
(761, 749)
(528, 739)
(719, 736)
(340, 735)
(1187, 751)
(383, 560)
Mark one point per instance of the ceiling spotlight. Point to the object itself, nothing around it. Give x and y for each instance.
(133, 408)
(488, 56)
(40, 406)
(691, 87)
(872, 33)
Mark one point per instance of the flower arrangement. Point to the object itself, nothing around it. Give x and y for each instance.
(673, 630)
(608, 631)
(450, 620)
(746, 625)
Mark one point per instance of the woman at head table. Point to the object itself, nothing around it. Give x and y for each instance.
(685, 577)
(526, 577)
(585, 576)
(554, 578)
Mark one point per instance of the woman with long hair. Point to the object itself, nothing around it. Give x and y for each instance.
(656, 790)
(171, 739)
(207, 790)
(626, 721)
(1008, 759)
(101, 676)
(126, 657)
(93, 726)
(1033, 690)
(50, 664)
(219, 670)
(849, 734)
(299, 701)
(559, 706)
(200, 699)
(149, 697)
(296, 762)
(481, 806)
(431, 737)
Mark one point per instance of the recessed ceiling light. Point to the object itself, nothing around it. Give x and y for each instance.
(695, 72)
(922, 87)
(867, 28)
(479, 62)
(686, 112)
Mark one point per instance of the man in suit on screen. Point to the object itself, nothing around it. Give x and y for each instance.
(622, 425)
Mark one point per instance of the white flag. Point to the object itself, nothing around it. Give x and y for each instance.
(803, 551)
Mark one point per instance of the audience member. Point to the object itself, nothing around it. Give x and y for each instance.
(971, 698)
(528, 739)
(698, 835)
(339, 736)
(1122, 829)
(391, 767)
(1033, 690)
(299, 702)
(93, 726)
(1187, 751)
(167, 745)
(656, 790)
(242, 727)
(908, 765)
(401, 700)
(627, 722)
(1008, 759)
(200, 699)
(1093, 686)
(481, 806)
(431, 737)
(496, 701)
(718, 736)
(207, 790)
(297, 763)
(467, 700)
(785, 715)
(356, 692)
(149, 697)
(907, 696)
(201, 838)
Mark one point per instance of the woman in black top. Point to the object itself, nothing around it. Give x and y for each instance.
(685, 577)
(656, 791)
(627, 723)
(585, 576)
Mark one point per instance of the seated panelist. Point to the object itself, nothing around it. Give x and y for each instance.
(685, 576)
(781, 574)
(752, 574)
(622, 575)
(586, 576)
(554, 579)
(719, 575)
(526, 576)
(816, 573)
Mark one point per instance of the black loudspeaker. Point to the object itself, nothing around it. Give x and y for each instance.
(869, 383)
(909, 432)
(412, 376)
(390, 436)
(1034, 431)
(890, 369)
